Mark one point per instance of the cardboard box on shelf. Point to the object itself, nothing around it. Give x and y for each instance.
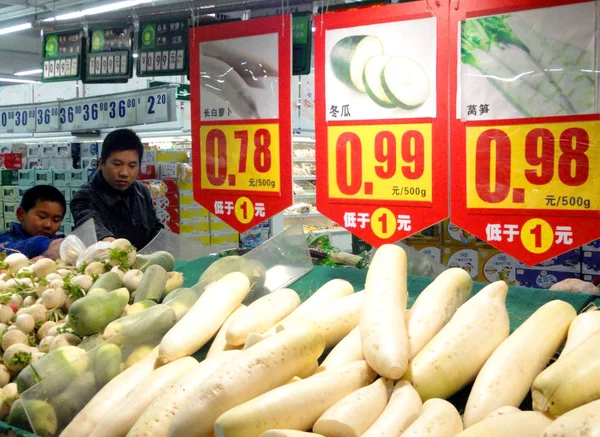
(10, 194)
(78, 177)
(197, 237)
(169, 170)
(147, 171)
(217, 225)
(61, 163)
(48, 151)
(10, 177)
(465, 258)
(231, 238)
(171, 156)
(9, 218)
(256, 236)
(186, 197)
(66, 191)
(11, 161)
(149, 156)
(590, 263)
(193, 211)
(89, 150)
(9, 209)
(495, 265)
(21, 189)
(45, 177)
(20, 148)
(89, 163)
(535, 278)
(62, 178)
(34, 151)
(433, 252)
(189, 226)
(33, 163)
(567, 262)
(452, 235)
(171, 185)
(185, 185)
(174, 227)
(174, 214)
(63, 151)
(430, 235)
(593, 246)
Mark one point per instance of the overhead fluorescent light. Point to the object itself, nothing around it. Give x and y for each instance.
(135, 55)
(10, 80)
(99, 10)
(17, 28)
(28, 72)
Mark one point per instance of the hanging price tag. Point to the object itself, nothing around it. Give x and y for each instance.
(121, 110)
(380, 162)
(157, 105)
(21, 119)
(241, 157)
(47, 117)
(70, 116)
(94, 112)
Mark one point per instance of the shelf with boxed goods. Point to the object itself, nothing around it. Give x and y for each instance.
(495, 265)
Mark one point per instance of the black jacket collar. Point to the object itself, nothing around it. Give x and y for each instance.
(107, 193)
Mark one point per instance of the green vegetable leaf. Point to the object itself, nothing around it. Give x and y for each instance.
(72, 290)
(120, 257)
(20, 359)
(83, 267)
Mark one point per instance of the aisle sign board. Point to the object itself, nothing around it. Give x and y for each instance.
(62, 56)
(163, 48)
(241, 119)
(381, 124)
(525, 150)
(109, 55)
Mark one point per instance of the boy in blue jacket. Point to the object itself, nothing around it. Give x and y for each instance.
(40, 215)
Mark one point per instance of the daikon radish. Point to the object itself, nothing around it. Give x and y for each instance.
(110, 395)
(119, 421)
(346, 351)
(204, 318)
(401, 411)
(262, 315)
(294, 406)
(308, 370)
(504, 410)
(435, 306)
(455, 355)
(382, 318)
(253, 339)
(582, 327)
(438, 418)
(570, 382)
(219, 343)
(355, 413)
(265, 366)
(288, 433)
(155, 421)
(335, 321)
(328, 293)
(521, 424)
(507, 375)
(579, 422)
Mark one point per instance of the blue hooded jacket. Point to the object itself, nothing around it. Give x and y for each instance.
(14, 238)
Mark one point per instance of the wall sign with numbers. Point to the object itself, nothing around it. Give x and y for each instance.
(241, 132)
(62, 56)
(382, 142)
(163, 48)
(156, 105)
(109, 55)
(525, 152)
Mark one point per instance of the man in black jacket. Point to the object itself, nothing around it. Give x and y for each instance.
(120, 205)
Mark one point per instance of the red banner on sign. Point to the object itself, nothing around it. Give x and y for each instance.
(240, 80)
(381, 119)
(525, 129)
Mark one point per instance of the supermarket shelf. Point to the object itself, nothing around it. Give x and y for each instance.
(305, 178)
(305, 196)
(304, 160)
(307, 214)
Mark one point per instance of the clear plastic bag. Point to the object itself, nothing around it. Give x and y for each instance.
(70, 249)
(94, 252)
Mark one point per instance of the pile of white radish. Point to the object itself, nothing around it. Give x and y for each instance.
(350, 364)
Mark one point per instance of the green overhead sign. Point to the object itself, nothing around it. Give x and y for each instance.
(62, 56)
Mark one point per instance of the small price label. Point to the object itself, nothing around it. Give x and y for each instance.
(154, 107)
(240, 157)
(94, 112)
(380, 162)
(5, 121)
(546, 167)
(121, 110)
(22, 119)
(47, 117)
(70, 116)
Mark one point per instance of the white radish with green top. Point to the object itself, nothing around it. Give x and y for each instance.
(507, 375)
(349, 56)
(454, 357)
(382, 319)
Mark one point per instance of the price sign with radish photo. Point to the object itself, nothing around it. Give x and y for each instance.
(525, 129)
(380, 123)
(241, 119)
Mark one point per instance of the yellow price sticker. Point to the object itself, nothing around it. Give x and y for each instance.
(240, 157)
(537, 235)
(244, 210)
(530, 166)
(380, 162)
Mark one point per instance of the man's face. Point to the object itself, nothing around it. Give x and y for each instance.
(43, 219)
(120, 169)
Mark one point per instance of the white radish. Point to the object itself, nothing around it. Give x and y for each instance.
(435, 306)
(294, 406)
(155, 421)
(12, 328)
(219, 343)
(37, 310)
(174, 281)
(403, 408)
(507, 375)
(11, 390)
(288, 433)
(56, 284)
(269, 364)
(118, 271)
(45, 343)
(63, 272)
(581, 328)
(44, 267)
(522, 424)
(3, 278)
(579, 422)
(355, 413)
(204, 318)
(5, 375)
(64, 339)
(54, 298)
(438, 418)
(453, 358)
(119, 421)
(25, 323)
(6, 314)
(132, 278)
(11, 338)
(346, 351)
(382, 318)
(53, 277)
(43, 331)
(28, 301)
(504, 410)
(335, 321)
(83, 281)
(16, 262)
(95, 268)
(261, 315)
(253, 339)
(17, 357)
(16, 300)
(3, 328)
(19, 283)
(110, 395)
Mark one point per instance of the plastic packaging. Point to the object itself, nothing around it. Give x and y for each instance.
(86, 232)
(70, 249)
(181, 248)
(94, 252)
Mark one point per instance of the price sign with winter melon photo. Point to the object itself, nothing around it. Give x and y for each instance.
(381, 126)
(525, 149)
(241, 119)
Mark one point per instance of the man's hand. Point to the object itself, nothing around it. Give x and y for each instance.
(53, 251)
(108, 239)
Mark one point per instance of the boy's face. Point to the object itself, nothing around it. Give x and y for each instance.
(120, 169)
(43, 219)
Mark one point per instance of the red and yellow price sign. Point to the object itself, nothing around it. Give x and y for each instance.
(531, 166)
(380, 162)
(244, 157)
